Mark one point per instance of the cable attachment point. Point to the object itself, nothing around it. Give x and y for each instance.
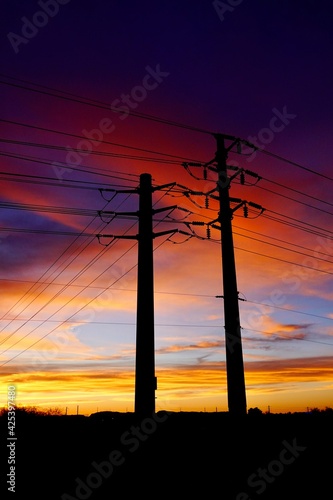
(100, 236)
(106, 217)
(103, 190)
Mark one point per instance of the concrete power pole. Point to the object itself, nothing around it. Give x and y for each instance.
(234, 352)
(145, 380)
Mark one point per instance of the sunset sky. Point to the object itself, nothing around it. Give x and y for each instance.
(174, 73)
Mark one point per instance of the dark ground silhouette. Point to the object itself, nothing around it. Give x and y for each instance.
(268, 456)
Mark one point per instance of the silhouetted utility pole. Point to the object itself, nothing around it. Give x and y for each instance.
(145, 379)
(234, 351)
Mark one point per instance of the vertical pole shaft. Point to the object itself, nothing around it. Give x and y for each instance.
(145, 382)
(234, 352)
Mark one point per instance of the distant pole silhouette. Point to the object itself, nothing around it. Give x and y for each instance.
(145, 381)
(234, 352)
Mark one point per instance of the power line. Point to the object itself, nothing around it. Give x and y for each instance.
(102, 105)
(296, 339)
(280, 240)
(105, 249)
(87, 266)
(76, 312)
(296, 201)
(91, 262)
(58, 259)
(77, 136)
(300, 225)
(45, 161)
(84, 151)
(285, 261)
(295, 164)
(181, 294)
(280, 246)
(54, 182)
(73, 279)
(289, 310)
(269, 256)
(295, 191)
(49, 209)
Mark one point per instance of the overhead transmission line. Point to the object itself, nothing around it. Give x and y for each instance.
(265, 235)
(92, 152)
(45, 161)
(103, 105)
(266, 243)
(64, 288)
(244, 206)
(105, 248)
(80, 309)
(54, 182)
(60, 94)
(296, 201)
(295, 164)
(58, 326)
(86, 212)
(67, 249)
(181, 294)
(294, 191)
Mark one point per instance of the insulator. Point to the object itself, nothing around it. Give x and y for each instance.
(255, 205)
(198, 223)
(208, 232)
(253, 174)
(242, 178)
(207, 202)
(246, 210)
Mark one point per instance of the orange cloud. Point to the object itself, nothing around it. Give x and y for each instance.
(189, 347)
(181, 385)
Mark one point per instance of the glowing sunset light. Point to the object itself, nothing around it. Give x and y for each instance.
(71, 166)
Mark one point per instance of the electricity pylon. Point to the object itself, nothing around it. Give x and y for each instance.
(145, 379)
(234, 351)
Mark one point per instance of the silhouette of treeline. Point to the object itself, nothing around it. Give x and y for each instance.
(261, 455)
(32, 411)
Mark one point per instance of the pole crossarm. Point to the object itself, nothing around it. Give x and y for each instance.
(120, 191)
(113, 237)
(172, 231)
